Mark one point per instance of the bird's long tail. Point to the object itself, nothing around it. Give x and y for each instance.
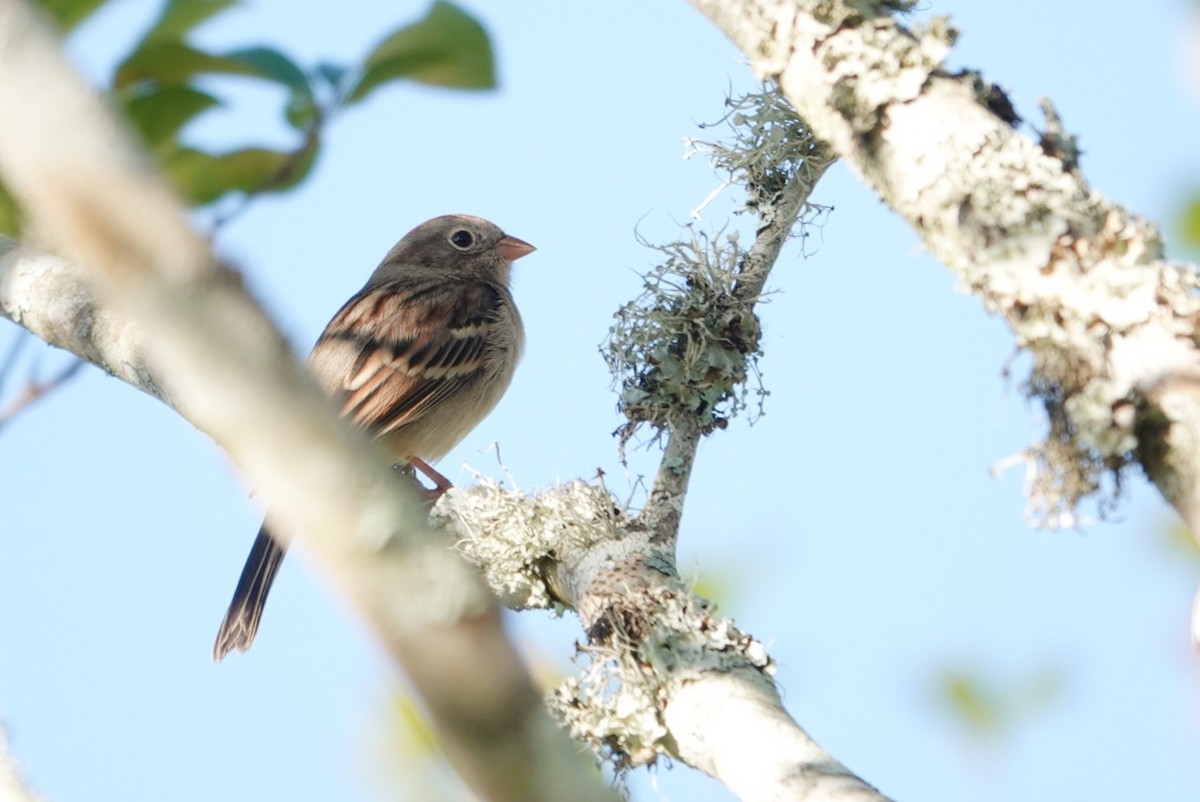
(245, 609)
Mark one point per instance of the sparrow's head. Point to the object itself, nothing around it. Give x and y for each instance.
(461, 243)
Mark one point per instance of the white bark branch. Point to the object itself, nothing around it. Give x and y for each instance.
(50, 298)
(664, 506)
(201, 343)
(663, 674)
(733, 726)
(1080, 280)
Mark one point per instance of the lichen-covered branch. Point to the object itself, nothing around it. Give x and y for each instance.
(1081, 281)
(682, 352)
(91, 194)
(50, 298)
(662, 673)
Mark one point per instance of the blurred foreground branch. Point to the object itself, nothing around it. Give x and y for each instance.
(202, 343)
(12, 785)
(35, 388)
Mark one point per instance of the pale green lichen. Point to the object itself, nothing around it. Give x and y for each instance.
(616, 705)
(687, 346)
(510, 535)
(1103, 320)
(767, 148)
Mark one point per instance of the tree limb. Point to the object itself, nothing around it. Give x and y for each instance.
(35, 389)
(663, 674)
(1080, 281)
(201, 343)
(12, 785)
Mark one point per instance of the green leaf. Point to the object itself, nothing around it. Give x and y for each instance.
(173, 63)
(717, 588)
(11, 219)
(70, 13)
(332, 74)
(976, 704)
(159, 113)
(1179, 542)
(301, 112)
(204, 177)
(179, 17)
(447, 48)
(266, 62)
(170, 63)
(1190, 223)
(988, 706)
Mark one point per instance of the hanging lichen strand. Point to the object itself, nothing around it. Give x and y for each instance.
(686, 346)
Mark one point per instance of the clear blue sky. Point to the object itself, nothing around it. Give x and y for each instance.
(855, 529)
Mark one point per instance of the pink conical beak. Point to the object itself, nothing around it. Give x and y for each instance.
(511, 249)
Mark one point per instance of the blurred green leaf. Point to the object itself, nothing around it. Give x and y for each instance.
(170, 63)
(301, 109)
(714, 586)
(174, 62)
(1179, 542)
(301, 112)
(406, 760)
(332, 74)
(1190, 223)
(412, 727)
(69, 13)
(156, 85)
(204, 177)
(160, 113)
(179, 17)
(447, 48)
(972, 701)
(10, 215)
(987, 707)
(266, 62)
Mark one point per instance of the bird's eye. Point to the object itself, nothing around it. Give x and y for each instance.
(462, 238)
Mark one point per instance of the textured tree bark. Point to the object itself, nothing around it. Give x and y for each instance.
(662, 673)
(1081, 281)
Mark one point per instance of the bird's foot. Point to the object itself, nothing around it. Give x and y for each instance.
(440, 482)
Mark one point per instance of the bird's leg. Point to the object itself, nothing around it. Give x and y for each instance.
(440, 482)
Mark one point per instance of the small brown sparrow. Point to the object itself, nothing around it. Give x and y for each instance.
(417, 357)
